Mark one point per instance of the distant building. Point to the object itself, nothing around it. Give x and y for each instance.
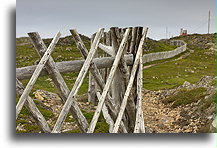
(183, 32)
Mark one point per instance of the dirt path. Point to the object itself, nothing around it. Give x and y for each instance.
(158, 117)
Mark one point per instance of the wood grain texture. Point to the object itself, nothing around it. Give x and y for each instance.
(92, 87)
(138, 122)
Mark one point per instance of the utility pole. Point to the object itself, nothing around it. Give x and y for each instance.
(166, 32)
(209, 22)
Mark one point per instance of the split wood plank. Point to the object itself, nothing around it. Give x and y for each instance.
(127, 93)
(32, 108)
(59, 82)
(140, 85)
(108, 83)
(96, 75)
(78, 82)
(36, 74)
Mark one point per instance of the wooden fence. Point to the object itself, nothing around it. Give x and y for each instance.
(115, 79)
(118, 86)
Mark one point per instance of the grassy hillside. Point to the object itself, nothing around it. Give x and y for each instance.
(200, 62)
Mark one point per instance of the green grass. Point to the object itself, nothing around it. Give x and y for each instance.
(157, 46)
(185, 96)
(207, 102)
(213, 83)
(101, 126)
(175, 73)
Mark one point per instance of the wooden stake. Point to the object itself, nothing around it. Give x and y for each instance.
(36, 74)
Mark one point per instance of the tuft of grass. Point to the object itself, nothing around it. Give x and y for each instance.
(46, 113)
(207, 102)
(31, 128)
(22, 121)
(68, 119)
(74, 131)
(185, 96)
(213, 83)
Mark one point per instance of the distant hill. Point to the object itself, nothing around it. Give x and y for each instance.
(68, 40)
(202, 41)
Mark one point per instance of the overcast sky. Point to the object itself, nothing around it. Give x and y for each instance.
(49, 16)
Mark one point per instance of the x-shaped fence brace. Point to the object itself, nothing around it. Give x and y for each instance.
(105, 100)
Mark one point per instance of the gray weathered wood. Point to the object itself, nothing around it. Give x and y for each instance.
(125, 80)
(142, 126)
(140, 85)
(36, 74)
(77, 83)
(132, 76)
(138, 123)
(96, 75)
(108, 83)
(59, 81)
(106, 114)
(32, 108)
(133, 39)
(107, 49)
(116, 83)
(71, 66)
(92, 88)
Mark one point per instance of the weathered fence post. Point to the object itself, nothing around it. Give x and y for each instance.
(130, 84)
(92, 98)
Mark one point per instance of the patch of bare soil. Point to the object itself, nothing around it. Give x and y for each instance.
(161, 117)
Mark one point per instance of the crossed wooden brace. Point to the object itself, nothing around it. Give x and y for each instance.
(67, 96)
